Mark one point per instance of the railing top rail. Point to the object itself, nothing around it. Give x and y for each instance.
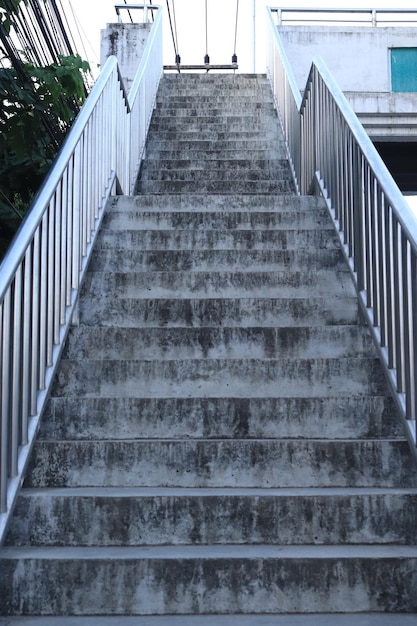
(373, 13)
(288, 69)
(34, 216)
(144, 60)
(129, 7)
(390, 189)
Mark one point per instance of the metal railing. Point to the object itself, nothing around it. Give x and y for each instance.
(378, 232)
(42, 272)
(371, 17)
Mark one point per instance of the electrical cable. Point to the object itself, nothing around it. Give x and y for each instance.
(130, 15)
(177, 56)
(178, 59)
(234, 55)
(206, 57)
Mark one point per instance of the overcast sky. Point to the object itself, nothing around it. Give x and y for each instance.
(93, 15)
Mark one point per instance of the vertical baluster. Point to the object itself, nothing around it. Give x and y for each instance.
(407, 324)
(50, 283)
(59, 244)
(27, 331)
(389, 264)
(69, 210)
(83, 197)
(398, 306)
(382, 260)
(76, 217)
(373, 243)
(35, 324)
(64, 244)
(16, 386)
(413, 317)
(5, 391)
(43, 318)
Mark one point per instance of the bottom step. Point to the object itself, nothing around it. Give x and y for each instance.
(357, 619)
(198, 580)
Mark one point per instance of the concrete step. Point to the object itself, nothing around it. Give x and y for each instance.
(87, 342)
(318, 619)
(157, 151)
(199, 580)
(217, 202)
(284, 240)
(214, 107)
(250, 141)
(142, 310)
(226, 136)
(214, 284)
(206, 175)
(222, 463)
(216, 186)
(343, 417)
(254, 121)
(224, 377)
(128, 260)
(158, 516)
(206, 220)
(236, 166)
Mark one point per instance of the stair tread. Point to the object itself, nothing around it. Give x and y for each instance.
(222, 552)
(328, 619)
(208, 492)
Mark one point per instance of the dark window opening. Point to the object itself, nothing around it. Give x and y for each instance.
(401, 160)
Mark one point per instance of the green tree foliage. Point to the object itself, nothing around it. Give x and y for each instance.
(37, 107)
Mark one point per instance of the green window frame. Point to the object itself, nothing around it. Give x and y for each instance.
(404, 69)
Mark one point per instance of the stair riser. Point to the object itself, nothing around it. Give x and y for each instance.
(206, 172)
(229, 137)
(149, 312)
(221, 464)
(236, 221)
(162, 520)
(218, 284)
(216, 107)
(218, 186)
(133, 260)
(219, 240)
(157, 153)
(205, 147)
(192, 418)
(199, 586)
(214, 377)
(195, 202)
(213, 343)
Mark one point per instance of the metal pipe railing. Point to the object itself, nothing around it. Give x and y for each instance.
(294, 15)
(41, 274)
(376, 227)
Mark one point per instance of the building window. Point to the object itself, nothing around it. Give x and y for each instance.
(404, 69)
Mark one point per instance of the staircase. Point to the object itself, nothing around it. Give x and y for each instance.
(219, 441)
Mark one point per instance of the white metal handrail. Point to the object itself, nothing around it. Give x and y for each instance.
(376, 227)
(42, 272)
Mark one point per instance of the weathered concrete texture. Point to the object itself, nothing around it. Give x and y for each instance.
(195, 580)
(218, 123)
(123, 517)
(357, 619)
(127, 42)
(225, 463)
(219, 446)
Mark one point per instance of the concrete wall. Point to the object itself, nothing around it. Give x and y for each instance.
(358, 57)
(359, 60)
(126, 42)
